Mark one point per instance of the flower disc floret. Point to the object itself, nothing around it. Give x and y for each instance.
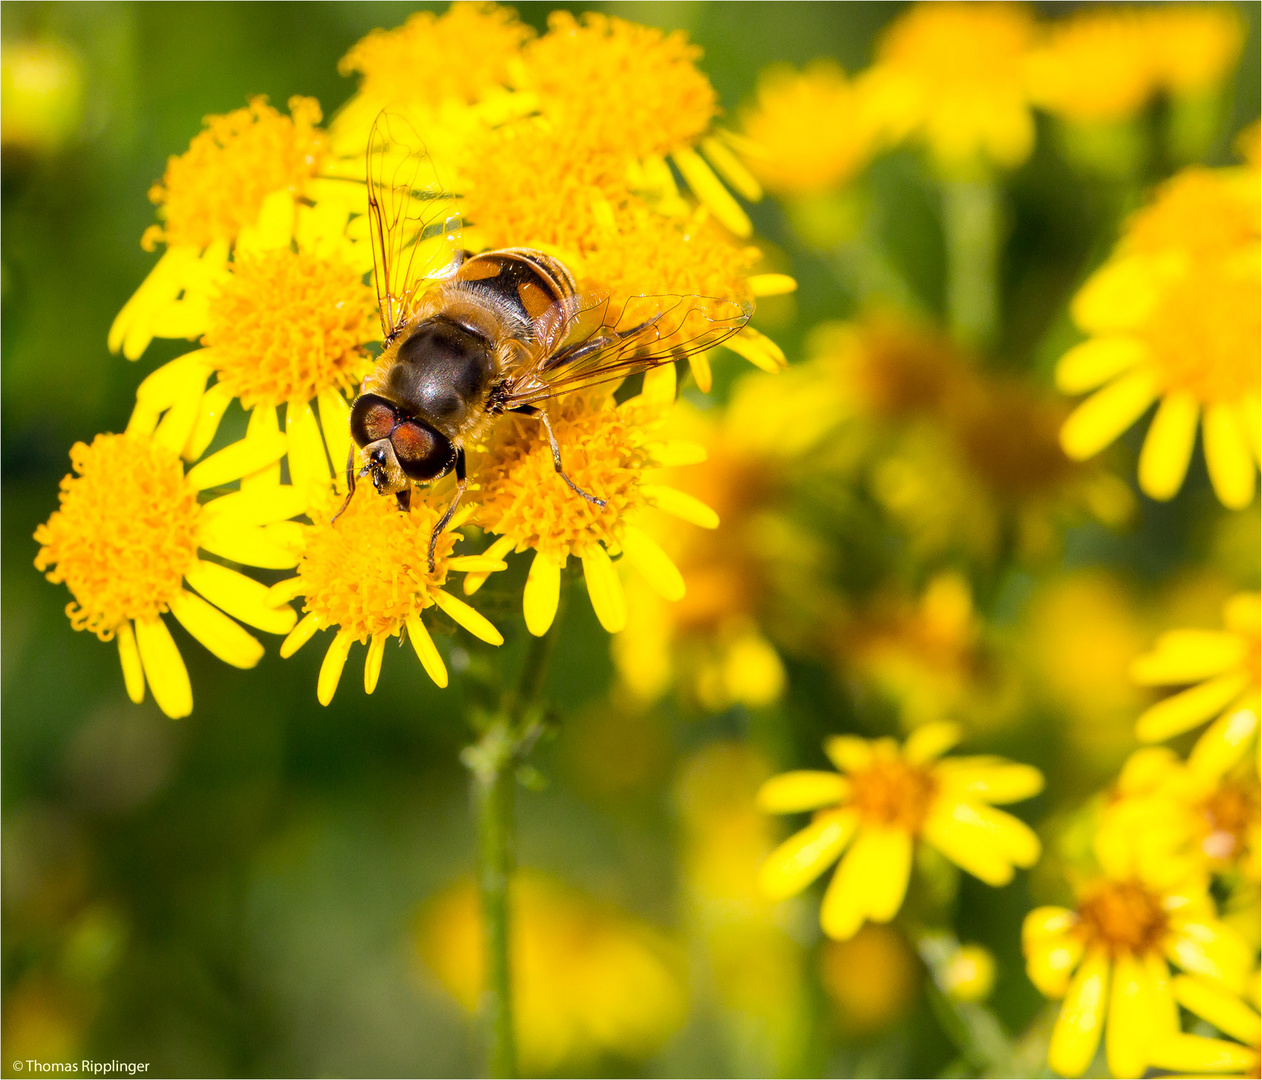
(125, 534)
(368, 571)
(286, 325)
(1122, 917)
(217, 187)
(624, 89)
(1202, 212)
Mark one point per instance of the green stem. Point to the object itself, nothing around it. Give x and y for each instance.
(493, 763)
(970, 220)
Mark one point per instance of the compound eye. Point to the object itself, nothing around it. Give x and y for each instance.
(423, 453)
(372, 418)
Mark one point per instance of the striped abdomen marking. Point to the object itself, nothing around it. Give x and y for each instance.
(524, 280)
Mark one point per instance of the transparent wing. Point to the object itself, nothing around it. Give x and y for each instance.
(599, 343)
(413, 219)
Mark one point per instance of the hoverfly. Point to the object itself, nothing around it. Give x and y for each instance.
(468, 338)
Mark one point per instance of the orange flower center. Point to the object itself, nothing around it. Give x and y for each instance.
(893, 793)
(368, 571)
(1229, 814)
(1123, 916)
(218, 185)
(1206, 333)
(287, 325)
(125, 534)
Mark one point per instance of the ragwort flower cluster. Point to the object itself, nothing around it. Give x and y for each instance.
(265, 268)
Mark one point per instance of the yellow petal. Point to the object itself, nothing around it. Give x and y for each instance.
(653, 564)
(1163, 462)
(285, 591)
(331, 668)
(990, 779)
(758, 349)
(163, 386)
(299, 635)
(257, 506)
(476, 623)
(702, 375)
(1097, 361)
(1187, 709)
(542, 593)
(1211, 949)
(1249, 413)
(1119, 296)
(475, 563)
(804, 789)
(1216, 1006)
(682, 506)
(605, 589)
(1107, 413)
(143, 420)
(660, 385)
(244, 544)
(849, 753)
(176, 428)
(1127, 1031)
(1226, 740)
(164, 668)
(884, 859)
(930, 741)
(264, 423)
(474, 581)
(213, 405)
(236, 460)
(679, 452)
(982, 840)
(1197, 1055)
(1228, 458)
(372, 662)
(1050, 963)
(710, 191)
(732, 169)
(129, 656)
(771, 284)
(426, 650)
(806, 854)
(335, 422)
(308, 464)
(218, 633)
(1188, 656)
(273, 228)
(241, 597)
(1077, 1031)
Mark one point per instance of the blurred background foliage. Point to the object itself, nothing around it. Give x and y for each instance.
(275, 888)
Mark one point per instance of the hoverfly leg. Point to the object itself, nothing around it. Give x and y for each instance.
(404, 499)
(461, 484)
(542, 414)
(350, 484)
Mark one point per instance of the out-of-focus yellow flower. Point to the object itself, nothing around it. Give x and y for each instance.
(969, 974)
(953, 75)
(810, 131)
(607, 451)
(41, 95)
(888, 799)
(1186, 1054)
(126, 541)
(871, 979)
(754, 960)
(589, 981)
(43, 1021)
(1223, 665)
(1174, 316)
(1110, 957)
(1080, 635)
(1194, 47)
(367, 575)
(1209, 804)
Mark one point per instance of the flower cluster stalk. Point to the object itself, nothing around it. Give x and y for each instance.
(970, 219)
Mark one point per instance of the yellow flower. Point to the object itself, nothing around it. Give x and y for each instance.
(589, 981)
(252, 181)
(1096, 66)
(1110, 957)
(41, 86)
(871, 979)
(126, 541)
(1194, 46)
(811, 131)
(1220, 669)
(1174, 316)
(284, 323)
(606, 451)
(952, 74)
(367, 575)
(1210, 804)
(887, 800)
